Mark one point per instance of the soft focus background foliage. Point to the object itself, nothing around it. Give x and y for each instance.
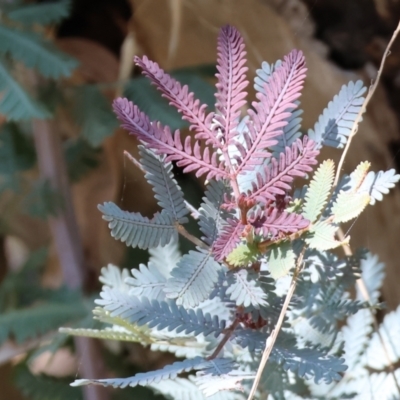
(61, 153)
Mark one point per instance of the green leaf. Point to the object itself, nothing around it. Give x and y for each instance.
(94, 115)
(281, 259)
(17, 152)
(321, 236)
(349, 206)
(36, 52)
(44, 13)
(43, 200)
(243, 255)
(318, 192)
(42, 387)
(15, 103)
(108, 334)
(32, 322)
(81, 158)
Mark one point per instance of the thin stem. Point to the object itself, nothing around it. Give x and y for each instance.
(228, 334)
(364, 291)
(181, 230)
(363, 108)
(274, 335)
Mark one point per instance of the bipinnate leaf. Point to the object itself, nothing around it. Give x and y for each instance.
(358, 175)
(228, 238)
(243, 255)
(378, 184)
(245, 290)
(349, 206)
(318, 192)
(113, 277)
(269, 115)
(278, 175)
(309, 362)
(136, 230)
(212, 218)
(389, 334)
(184, 101)
(145, 378)
(148, 282)
(322, 236)
(106, 334)
(167, 192)
(281, 259)
(163, 141)
(159, 314)
(335, 123)
(185, 389)
(372, 273)
(193, 279)
(272, 223)
(165, 258)
(15, 103)
(231, 85)
(263, 75)
(42, 13)
(36, 52)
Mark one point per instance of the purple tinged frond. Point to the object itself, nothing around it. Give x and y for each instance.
(231, 94)
(296, 161)
(163, 141)
(228, 239)
(184, 101)
(270, 113)
(272, 224)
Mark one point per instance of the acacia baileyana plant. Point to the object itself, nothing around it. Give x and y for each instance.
(220, 306)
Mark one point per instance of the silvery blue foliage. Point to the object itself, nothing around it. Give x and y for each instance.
(218, 306)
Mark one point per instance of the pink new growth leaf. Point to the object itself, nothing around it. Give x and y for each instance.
(272, 110)
(231, 94)
(163, 141)
(273, 224)
(182, 99)
(228, 239)
(279, 174)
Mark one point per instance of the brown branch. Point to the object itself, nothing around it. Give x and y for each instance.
(65, 232)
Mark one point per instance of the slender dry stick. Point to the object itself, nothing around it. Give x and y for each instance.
(363, 108)
(68, 245)
(274, 334)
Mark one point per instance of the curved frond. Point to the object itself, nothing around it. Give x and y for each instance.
(212, 219)
(270, 113)
(335, 123)
(322, 236)
(272, 223)
(281, 259)
(318, 192)
(167, 192)
(136, 230)
(160, 314)
(163, 141)
(348, 206)
(229, 237)
(278, 175)
(147, 282)
(231, 94)
(193, 279)
(15, 103)
(378, 184)
(113, 277)
(36, 52)
(145, 378)
(246, 291)
(182, 99)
